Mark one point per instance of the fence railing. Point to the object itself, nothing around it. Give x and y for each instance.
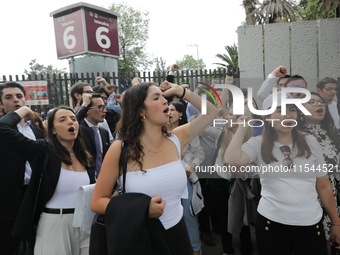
(59, 84)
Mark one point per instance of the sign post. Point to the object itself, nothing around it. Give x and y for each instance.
(83, 28)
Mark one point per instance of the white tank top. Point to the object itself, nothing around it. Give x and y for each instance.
(65, 194)
(168, 181)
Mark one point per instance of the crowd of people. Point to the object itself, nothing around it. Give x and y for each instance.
(169, 143)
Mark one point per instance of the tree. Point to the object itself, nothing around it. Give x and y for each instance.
(276, 11)
(38, 69)
(270, 11)
(318, 9)
(161, 65)
(133, 26)
(231, 60)
(252, 11)
(189, 63)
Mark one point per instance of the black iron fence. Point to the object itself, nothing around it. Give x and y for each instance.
(59, 84)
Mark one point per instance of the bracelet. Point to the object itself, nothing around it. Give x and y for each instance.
(184, 93)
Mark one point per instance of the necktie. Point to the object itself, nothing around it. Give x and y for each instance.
(99, 154)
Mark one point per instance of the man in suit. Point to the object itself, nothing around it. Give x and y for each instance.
(15, 170)
(94, 110)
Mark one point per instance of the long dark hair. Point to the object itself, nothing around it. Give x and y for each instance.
(79, 148)
(180, 108)
(269, 136)
(326, 124)
(130, 125)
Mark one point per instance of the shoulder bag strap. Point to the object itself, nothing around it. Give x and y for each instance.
(123, 163)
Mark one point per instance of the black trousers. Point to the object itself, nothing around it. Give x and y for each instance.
(280, 239)
(178, 239)
(8, 244)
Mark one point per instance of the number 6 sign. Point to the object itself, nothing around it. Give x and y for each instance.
(85, 29)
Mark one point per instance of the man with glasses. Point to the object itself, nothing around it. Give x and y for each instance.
(327, 88)
(296, 81)
(77, 91)
(96, 138)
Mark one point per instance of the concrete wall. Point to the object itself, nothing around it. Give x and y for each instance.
(90, 64)
(308, 48)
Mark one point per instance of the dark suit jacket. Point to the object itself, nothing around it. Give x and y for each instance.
(35, 152)
(88, 134)
(12, 172)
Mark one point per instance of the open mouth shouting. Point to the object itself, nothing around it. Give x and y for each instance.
(71, 130)
(166, 111)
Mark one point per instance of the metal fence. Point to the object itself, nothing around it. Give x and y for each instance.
(59, 84)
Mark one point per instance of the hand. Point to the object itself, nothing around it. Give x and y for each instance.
(171, 89)
(111, 88)
(335, 236)
(118, 98)
(86, 99)
(243, 119)
(279, 71)
(25, 113)
(101, 80)
(186, 86)
(189, 169)
(174, 68)
(229, 79)
(136, 81)
(214, 82)
(156, 207)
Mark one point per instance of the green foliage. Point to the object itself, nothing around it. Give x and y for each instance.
(270, 11)
(316, 10)
(38, 69)
(230, 60)
(133, 26)
(161, 65)
(188, 62)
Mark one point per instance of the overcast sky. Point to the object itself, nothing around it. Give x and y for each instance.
(27, 30)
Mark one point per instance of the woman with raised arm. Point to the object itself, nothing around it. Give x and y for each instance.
(64, 165)
(154, 157)
(292, 175)
(320, 124)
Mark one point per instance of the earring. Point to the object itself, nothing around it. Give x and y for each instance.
(180, 117)
(142, 119)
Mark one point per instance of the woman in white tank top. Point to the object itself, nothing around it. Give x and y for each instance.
(48, 206)
(154, 161)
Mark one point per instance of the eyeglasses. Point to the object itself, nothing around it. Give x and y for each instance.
(101, 108)
(88, 91)
(330, 89)
(299, 86)
(316, 102)
(104, 98)
(287, 161)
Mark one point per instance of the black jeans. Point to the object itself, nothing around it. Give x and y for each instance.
(280, 239)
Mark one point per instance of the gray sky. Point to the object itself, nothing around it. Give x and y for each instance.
(27, 30)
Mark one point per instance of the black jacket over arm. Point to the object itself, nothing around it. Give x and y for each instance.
(35, 152)
(12, 172)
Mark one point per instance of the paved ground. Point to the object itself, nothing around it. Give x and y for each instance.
(217, 250)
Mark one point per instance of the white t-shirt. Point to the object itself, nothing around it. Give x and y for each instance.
(289, 198)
